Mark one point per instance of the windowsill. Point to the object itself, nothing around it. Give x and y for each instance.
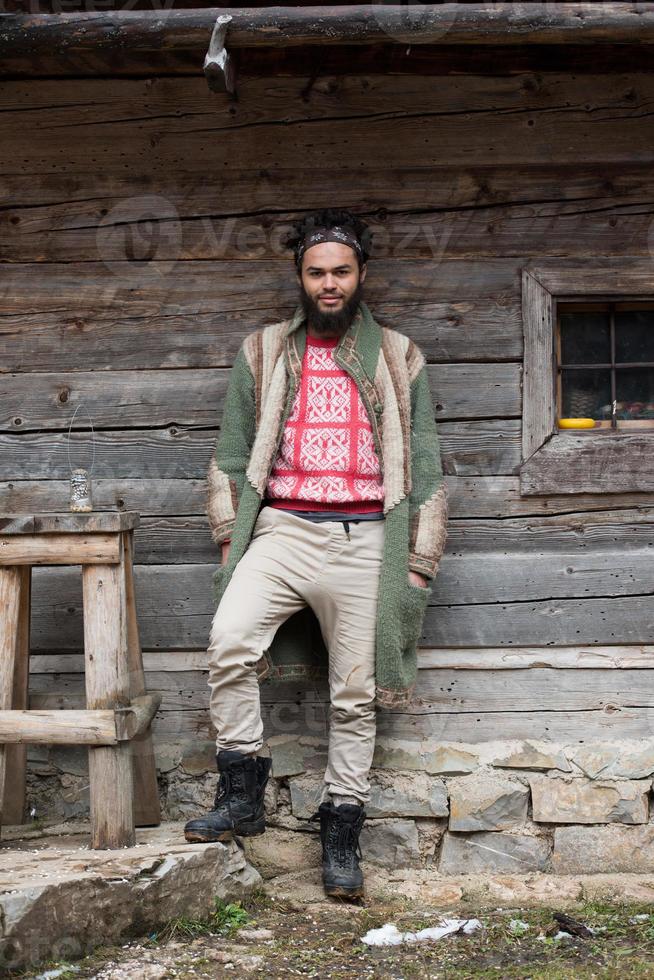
(630, 425)
(590, 461)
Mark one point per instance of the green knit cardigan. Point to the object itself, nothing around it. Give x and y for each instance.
(390, 373)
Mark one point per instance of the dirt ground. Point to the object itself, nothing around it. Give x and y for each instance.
(275, 937)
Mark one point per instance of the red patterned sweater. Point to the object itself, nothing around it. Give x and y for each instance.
(327, 458)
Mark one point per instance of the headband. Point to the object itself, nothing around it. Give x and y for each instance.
(337, 234)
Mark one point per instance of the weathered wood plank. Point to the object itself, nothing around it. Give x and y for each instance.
(310, 717)
(176, 608)
(58, 549)
(552, 622)
(192, 397)
(13, 805)
(538, 421)
(469, 497)
(548, 541)
(330, 25)
(58, 727)
(604, 461)
(448, 329)
(539, 688)
(445, 689)
(66, 522)
(102, 316)
(500, 211)
(345, 59)
(444, 658)
(147, 808)
(106, 672)
(450, 138)
(11, 582)
(470, 448)
(145, 496)
(58, 106)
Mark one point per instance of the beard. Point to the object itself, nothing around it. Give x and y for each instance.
(334, 322)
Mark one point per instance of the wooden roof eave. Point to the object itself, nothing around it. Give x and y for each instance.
(76, 37)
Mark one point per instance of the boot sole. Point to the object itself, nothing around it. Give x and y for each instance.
(197, 837)
(339, 891)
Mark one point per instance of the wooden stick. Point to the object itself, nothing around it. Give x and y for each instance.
(95, 727)
(59, 549)
(147, 808)
(10, 581)
(13, 810)
(136, 720)
(27, 35)
(107, 686)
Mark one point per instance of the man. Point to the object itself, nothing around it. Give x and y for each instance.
(327, 496)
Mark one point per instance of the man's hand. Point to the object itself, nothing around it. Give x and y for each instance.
(415, 578)
(225, 546)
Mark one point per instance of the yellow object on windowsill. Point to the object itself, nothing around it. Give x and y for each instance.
(576, 423)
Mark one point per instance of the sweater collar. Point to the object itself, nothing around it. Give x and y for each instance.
(361, 342)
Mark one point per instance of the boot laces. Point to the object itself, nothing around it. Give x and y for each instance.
(225, 786)
(343, 834)
(347, 841)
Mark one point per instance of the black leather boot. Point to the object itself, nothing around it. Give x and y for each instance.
(340, 827)
(238, 806)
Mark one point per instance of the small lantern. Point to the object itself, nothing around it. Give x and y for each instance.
(80, 491)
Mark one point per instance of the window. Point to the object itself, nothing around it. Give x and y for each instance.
(605, 365)
(589, 355)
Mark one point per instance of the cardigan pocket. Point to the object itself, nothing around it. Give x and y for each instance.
(415, 608)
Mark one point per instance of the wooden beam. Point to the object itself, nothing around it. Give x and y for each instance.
(59, 549)
(10, 594)
(128, 31)
(55, 727)
(13, 805)
(107, 686)
(135, 720)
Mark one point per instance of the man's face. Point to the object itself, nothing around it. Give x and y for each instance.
(330, 287)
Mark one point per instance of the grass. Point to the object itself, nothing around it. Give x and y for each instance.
(224, 920)
(326, 942)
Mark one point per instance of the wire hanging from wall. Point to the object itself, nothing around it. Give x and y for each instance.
(81, 498)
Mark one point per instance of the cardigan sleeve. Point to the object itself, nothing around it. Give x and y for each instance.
(428, 504)
(229, 462)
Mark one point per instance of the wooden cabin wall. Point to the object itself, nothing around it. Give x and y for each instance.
(140, 245)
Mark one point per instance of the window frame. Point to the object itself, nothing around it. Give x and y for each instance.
(556, 461)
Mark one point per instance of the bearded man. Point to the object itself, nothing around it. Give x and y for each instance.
(327, 497)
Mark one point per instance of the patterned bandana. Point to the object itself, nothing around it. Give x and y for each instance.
(337, 234)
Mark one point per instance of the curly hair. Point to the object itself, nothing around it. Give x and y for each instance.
(330, 218)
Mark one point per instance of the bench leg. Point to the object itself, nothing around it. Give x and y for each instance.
(107, 686)
(13, 809)
(147, 809)
(10, 583)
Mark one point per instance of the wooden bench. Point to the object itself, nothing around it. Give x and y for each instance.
(116, 722)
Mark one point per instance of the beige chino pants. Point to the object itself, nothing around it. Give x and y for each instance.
(292, 562)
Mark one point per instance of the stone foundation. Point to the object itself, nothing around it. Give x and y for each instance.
(508, 807)
(58, 899)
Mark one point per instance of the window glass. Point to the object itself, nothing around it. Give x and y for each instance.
(635, 393)
(586, 394)
(585, 338)
(634, 335)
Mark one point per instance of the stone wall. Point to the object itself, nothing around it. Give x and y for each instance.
(452, 807)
